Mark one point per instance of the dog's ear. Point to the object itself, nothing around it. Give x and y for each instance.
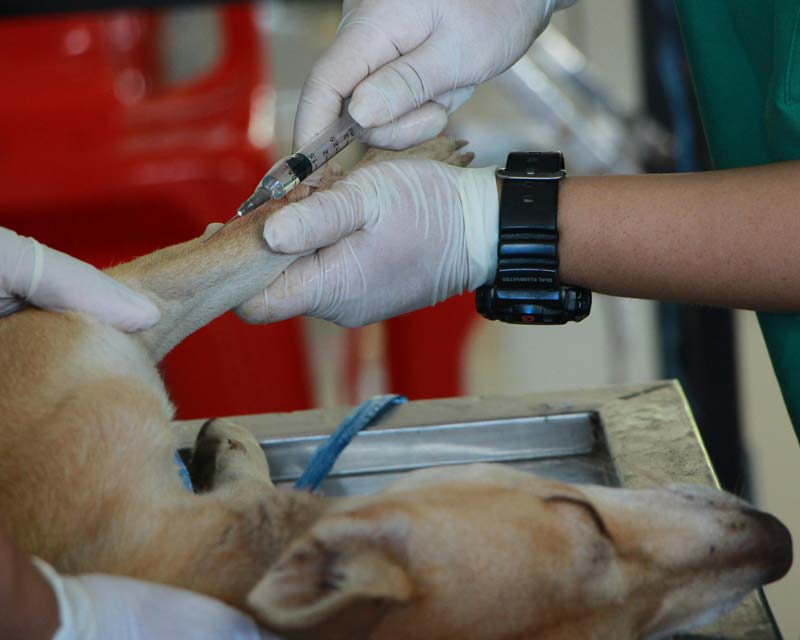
(344, 562)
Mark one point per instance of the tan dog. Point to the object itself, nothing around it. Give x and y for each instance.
(87, 481)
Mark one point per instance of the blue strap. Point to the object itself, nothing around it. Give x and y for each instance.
(326, 455)
(184, 472)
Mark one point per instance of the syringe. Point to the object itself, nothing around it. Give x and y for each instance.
(292, 170)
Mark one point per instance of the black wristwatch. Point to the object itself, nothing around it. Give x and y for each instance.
(527, 289)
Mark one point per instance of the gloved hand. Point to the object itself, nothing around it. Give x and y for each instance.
(53, 280)
(422, 231)
(410, 64)
(101, 607)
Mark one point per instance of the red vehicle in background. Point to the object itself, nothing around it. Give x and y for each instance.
(116, 140)
(106, 155)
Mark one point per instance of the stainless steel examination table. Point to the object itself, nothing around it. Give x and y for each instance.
(633, 436)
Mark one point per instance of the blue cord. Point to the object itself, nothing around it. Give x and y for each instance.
(184, 472)
(326, 455)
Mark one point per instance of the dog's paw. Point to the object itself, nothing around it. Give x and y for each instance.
(442, 149)
(225, 453)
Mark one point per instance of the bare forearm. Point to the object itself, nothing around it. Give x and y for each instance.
(27, 602)
(728, 238)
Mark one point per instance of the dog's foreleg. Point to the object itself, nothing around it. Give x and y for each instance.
(194, 282)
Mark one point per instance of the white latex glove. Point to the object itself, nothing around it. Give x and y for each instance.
(101, 607)
(50, 279)
(422, 231)
(410, 64)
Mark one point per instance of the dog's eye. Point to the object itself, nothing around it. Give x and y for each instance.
(588, 507)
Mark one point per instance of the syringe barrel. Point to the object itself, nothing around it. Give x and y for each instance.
(290, 171)
(331, 140)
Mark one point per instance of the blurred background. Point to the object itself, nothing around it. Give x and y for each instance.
(125, 130)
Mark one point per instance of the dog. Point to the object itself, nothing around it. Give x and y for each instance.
(481, 552)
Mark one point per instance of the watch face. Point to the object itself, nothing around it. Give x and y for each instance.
(571, 304)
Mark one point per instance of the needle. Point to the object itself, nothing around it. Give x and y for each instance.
(259, 197)
(235, 215)
(292, 170)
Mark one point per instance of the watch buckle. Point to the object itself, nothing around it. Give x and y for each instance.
(537, 175)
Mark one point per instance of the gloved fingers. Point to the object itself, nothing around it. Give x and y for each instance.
(320, 104)
(160, 611)
(413, 128)
(10, 305)
(68, 284)
(322, 218)
(95, 607)
(362, 46)
(452, 100)
(295, 293)
(50, 279)
(17, 261)
(406, 83)
(419, 125)
(404, 248)
(348, 6)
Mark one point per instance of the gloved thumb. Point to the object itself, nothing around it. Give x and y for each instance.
(318, 221)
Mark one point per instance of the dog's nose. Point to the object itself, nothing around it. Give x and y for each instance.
(775, 541)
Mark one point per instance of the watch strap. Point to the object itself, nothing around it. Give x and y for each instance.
(527, 289)
(527, 256)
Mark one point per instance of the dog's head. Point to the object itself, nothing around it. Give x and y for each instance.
(488, 552)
